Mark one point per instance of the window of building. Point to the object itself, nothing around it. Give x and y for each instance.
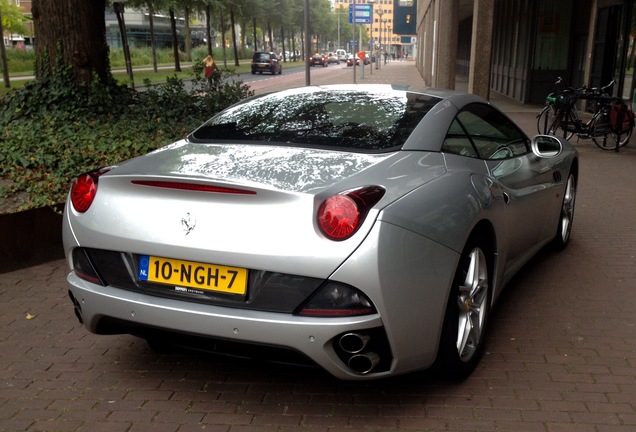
(553, 35)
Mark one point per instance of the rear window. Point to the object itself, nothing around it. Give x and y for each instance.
(350, 120)
(261, 58)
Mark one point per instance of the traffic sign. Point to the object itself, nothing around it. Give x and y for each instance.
(360, 13)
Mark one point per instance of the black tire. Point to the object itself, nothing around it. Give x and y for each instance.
(625, 136)
(544, 119)
(608, 142)
(467, 311)
(566, 216)
(547, 124)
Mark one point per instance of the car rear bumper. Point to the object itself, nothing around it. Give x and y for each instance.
(408, 284)
(108, 310)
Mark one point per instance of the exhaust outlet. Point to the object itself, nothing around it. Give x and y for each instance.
(364, 363)
(353, 343)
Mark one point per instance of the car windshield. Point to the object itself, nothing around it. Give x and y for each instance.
(350, 120)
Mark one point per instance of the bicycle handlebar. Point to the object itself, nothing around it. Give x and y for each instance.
(583, 92)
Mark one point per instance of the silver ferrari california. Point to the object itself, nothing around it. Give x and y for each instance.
(362, 228)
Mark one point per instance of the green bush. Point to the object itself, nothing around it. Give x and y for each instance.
(53, 130)
(20, 62)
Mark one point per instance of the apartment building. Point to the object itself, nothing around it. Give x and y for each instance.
(19, 40)
(382, 29)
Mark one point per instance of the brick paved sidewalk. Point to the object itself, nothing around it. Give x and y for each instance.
(560, 354)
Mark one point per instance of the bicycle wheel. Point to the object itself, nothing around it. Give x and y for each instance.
(603, 136)
(625, 136)
(545, 119)
(556, 125)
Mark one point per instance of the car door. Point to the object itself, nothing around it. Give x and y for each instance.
(522, 178)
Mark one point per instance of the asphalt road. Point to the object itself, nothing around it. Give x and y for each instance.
(560, 352)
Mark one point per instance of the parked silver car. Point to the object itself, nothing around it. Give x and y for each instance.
(365, 228)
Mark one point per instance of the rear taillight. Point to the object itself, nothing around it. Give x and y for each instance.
(84, 189)
(340, 216)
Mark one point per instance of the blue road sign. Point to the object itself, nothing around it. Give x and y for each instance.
(361, 13)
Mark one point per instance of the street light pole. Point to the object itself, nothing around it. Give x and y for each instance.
(371, 41)
(338, 32)
(307, 43)
(390, 38)
(380, 13)
(371, 44)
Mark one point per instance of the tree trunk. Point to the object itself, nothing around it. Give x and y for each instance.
(243, 36)
(293, 46)
(3, 59)
(119, 10)
(282, 38)
(223, 39)
(153, 39)
(187, 34)
(78, 28)
(236, 59)
(175, 41)
(208, 25)
(254, 30)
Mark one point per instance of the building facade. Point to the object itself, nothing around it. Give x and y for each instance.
(520, 47)
(137, 23)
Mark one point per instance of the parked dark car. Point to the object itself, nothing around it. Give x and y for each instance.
(319, 59)
(266, 62)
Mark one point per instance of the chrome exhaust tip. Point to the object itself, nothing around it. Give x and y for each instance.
(364, 363)
(353, 343)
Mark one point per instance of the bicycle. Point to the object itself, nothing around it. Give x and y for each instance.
(553, 102)
(611, 117)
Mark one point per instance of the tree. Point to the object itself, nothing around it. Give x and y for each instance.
(12, 17)
(72, 33)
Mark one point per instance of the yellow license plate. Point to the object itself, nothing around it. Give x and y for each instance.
(201, 276)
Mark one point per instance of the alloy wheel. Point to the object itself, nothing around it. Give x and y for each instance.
(472, 304)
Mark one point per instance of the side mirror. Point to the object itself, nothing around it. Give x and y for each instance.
(546, 146)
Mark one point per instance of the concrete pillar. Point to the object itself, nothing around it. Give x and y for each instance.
(425, 29)
(446, 49)
(481, 48)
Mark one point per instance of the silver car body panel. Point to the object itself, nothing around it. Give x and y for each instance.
(281, 241)
(399, 312)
